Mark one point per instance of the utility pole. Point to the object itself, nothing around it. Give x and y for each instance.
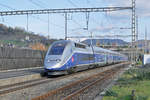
(48, 27)
(91, 38)
(65, 26)
(137, 28)
(27, 22)
(133, 56)
(87, 20)
(137, 32)
(133, 22)
(145, 49)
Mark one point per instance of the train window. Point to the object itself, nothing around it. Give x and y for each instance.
(86, 57)
(57, 49)
(80, 45)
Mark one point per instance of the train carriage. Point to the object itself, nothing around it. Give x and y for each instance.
(66, 56)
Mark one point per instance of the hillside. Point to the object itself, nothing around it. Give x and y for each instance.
(106, 42)
(19, 37)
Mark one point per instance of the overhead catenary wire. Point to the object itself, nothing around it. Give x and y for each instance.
(89, 3)
(48, 15)
(36, 17)
(87, 14)
(38, 4)
(73, 4)
(6, 6)
(48, 21)
(41, 2)
(35, 3)
(69, 10)
(106, 16)
(65, 10)
(102, 36)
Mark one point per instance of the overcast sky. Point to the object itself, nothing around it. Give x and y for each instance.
(99, 23)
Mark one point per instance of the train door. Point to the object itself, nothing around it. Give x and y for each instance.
(91, 59)
(106, 58)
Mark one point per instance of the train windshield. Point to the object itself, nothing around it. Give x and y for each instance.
(57, 48)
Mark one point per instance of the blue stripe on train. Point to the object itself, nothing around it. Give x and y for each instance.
(80, 58)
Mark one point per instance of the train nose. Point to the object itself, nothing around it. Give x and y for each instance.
(50, 62)
(53, 61)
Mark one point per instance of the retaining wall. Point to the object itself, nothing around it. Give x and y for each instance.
(14, 58)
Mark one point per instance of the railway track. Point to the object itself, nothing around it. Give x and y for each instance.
(19, 86)
(78, 90)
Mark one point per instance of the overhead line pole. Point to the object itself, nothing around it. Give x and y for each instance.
(137, 28)
(48, 27)
(87, 20)
(27, 22)
(145, 49)
(137, 33)
(134, 36)
(66, 26)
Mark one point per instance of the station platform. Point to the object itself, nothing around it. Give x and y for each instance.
(20, 75)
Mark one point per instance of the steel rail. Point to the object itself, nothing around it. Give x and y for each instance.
(59, 93)
(23, 85)
(54, 92)
(88, 86)
(19, 86)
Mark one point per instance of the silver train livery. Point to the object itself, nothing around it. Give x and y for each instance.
(66, 56)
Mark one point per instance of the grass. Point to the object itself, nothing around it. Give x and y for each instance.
(135, 79)
(139, 63)
(15, 42)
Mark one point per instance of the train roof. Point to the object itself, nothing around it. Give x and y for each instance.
(95, 48)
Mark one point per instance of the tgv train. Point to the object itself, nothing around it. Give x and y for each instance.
(66, 56)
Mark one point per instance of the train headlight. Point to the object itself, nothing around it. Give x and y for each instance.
(48, 60)
(57, 66)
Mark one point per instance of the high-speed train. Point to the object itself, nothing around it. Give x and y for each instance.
(66, 56)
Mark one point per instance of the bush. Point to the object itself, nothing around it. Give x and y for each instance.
(139, 63)
(141, 98)
(139, 74)
(111, 93)
(142, 75)
(129, 97)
